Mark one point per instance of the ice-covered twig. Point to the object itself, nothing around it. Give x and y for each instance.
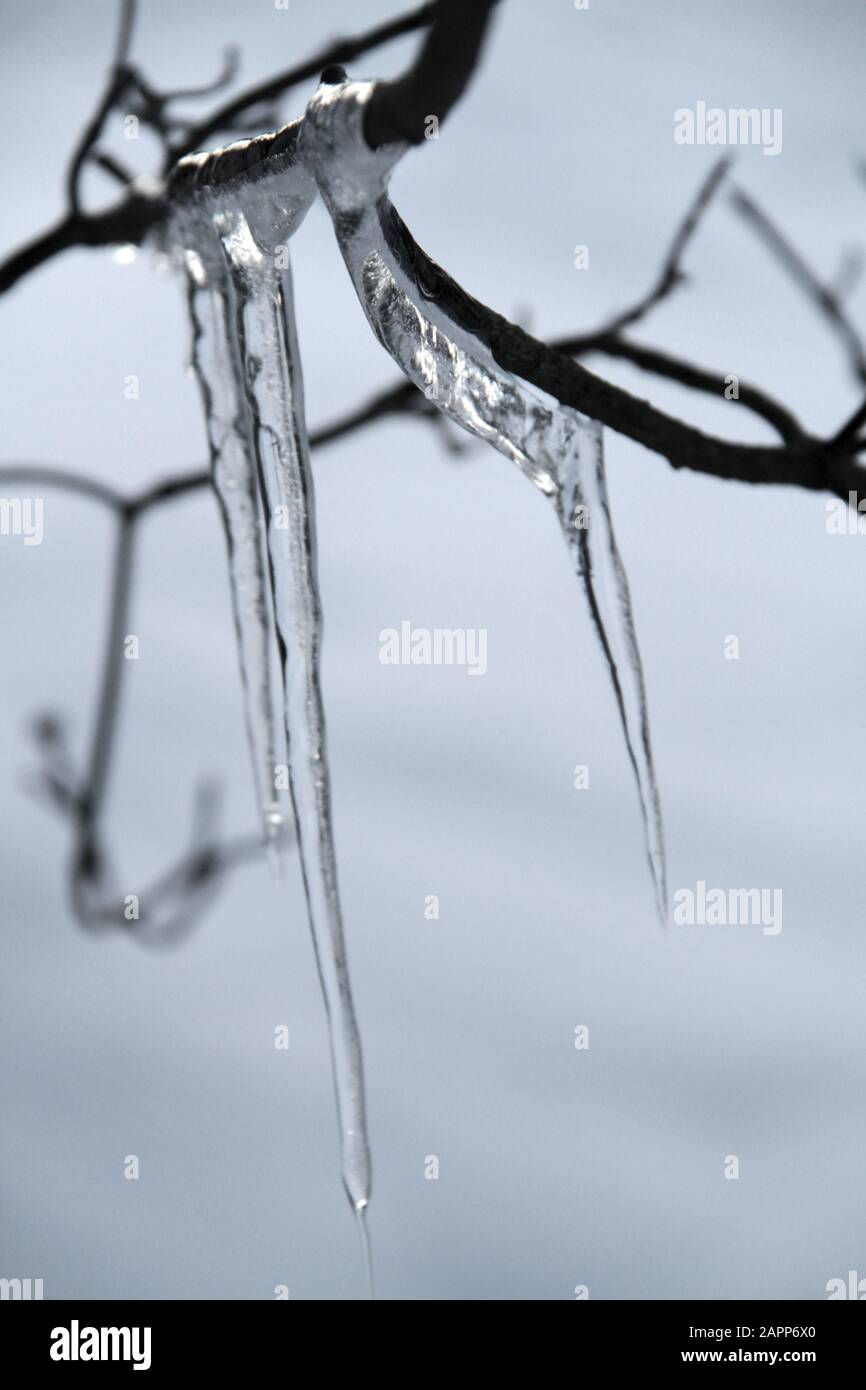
(142, 208)
(557, 448)
(609, 342)
(813, 463)
(344, 50)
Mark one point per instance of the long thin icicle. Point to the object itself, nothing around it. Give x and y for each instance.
(559, 449)
(259, 365)
(233, 470)
(584, 512)
(275, 393)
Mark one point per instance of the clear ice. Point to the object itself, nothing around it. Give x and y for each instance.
(235, 248)
(217, 367)
(556, 447)
(233, 237)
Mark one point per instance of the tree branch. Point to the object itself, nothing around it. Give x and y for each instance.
(172, 905)
(822, 297)
(397, 111)
(670, 275)
(695, 378)
(814, 464)
(341, 51)
(131, 219)
(439, 76)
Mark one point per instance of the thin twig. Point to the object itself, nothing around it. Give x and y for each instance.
(128, 15)
(671, 274)
(173, 903)
(340, 51)
(853, 426)
(783, 421)
(823, 298)
(136, 215)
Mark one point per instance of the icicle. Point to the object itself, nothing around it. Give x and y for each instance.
(556, 447)
(232, 463)
(254, 222)
(584, 513)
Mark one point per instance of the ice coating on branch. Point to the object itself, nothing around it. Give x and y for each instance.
(559, 449)
(254, 372)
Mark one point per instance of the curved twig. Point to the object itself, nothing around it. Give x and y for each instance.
(437, 79)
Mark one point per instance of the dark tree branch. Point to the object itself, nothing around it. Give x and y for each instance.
(848, 274)
(817, 465)
(853, 426)
(695, 378)
(437, 79)
(671, 274)
(402, 399)
(823, 298)
(128, 16)
(169, 490)
(92, 131)
(397, 111)
(405, 399)
(48, 475)
(172, 905)
(341, 51)
(108, 704)
(43, 248)
(136, 215)
(118, 82)
(112, 166)
(224, 78)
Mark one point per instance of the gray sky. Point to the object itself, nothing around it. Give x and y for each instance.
(557, 1167)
